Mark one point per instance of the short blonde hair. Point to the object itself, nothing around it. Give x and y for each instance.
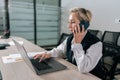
(83, 14)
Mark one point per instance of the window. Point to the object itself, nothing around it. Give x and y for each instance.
(21, 19)
(2, 16)
(37, 23)
(48, 18)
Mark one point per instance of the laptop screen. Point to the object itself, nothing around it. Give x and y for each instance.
(24, 55)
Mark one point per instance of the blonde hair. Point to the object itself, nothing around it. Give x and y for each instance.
(83, 14)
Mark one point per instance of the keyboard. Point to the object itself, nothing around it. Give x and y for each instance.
(40, 65)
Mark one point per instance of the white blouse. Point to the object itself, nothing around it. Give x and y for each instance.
(85, 61)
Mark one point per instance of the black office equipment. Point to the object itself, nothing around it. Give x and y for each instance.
(40, 65)
(3, 46)
(85, 23)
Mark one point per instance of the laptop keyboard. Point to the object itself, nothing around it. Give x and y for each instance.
(40, 65)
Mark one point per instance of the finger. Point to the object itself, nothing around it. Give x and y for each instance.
(37, 56)
(42, 58)
(78, 27)
(83, 29)
(47, 56)
(75, 29)
(73, 35)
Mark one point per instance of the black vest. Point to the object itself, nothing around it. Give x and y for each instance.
(88, 40)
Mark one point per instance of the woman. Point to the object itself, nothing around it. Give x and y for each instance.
(81, 48)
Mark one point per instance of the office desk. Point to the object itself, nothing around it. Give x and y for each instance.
(21, 71)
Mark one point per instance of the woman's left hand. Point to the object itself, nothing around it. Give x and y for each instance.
(78, 35)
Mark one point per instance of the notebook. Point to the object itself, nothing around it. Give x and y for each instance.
(46, 66)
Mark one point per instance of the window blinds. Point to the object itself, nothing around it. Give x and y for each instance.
(2, 16)
(47, 24)
(47, 21)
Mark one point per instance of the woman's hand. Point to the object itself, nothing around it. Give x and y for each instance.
(78, 35)
(42, 56)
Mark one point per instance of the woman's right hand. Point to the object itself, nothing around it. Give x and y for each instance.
(42, 56)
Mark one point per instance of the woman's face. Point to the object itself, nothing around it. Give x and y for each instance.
(73, 21)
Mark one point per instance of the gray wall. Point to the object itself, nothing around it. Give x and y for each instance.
(104, 13)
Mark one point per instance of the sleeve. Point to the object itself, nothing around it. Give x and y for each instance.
(86, 62)
(59, 50)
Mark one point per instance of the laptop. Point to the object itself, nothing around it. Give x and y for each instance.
(46, 66)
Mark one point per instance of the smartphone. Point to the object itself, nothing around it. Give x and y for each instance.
(85, 23)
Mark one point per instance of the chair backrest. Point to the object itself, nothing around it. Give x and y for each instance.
(97, 33)
(110, 37)
(110, 40)
(62, 38)
(118, 41)
(110, 50)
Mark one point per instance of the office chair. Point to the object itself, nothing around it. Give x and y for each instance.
(97, 33)
(118, 41)
(117, 71)
(62, 38)
(110, 52)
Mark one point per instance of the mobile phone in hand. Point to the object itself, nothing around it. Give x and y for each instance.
(85, 23)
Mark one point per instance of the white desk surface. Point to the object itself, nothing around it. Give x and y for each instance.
(21, 71)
